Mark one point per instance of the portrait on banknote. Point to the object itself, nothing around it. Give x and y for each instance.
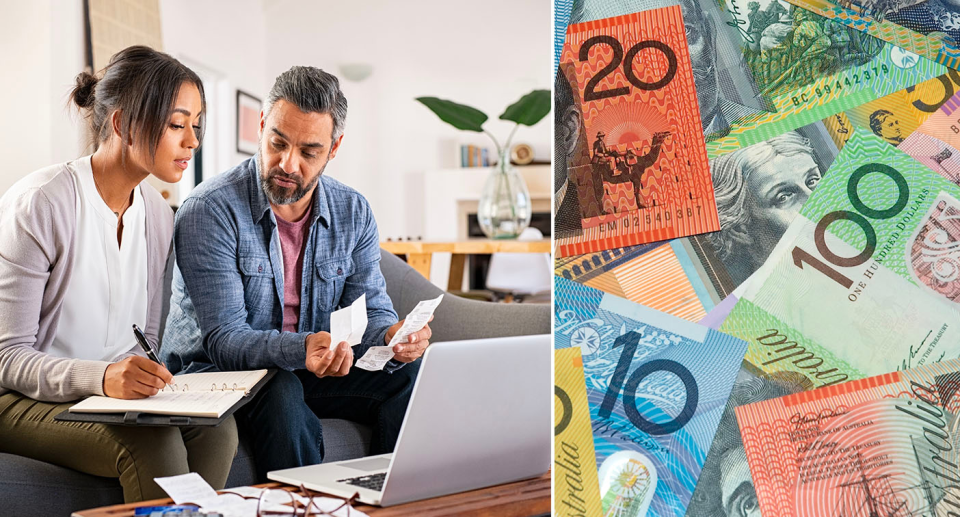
(760, 189)
(725, 488)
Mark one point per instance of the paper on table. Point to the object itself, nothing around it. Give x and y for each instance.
(186, 488)
(349, 323)
(378, 356)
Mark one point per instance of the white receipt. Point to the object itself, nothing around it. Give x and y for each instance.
(349, 323)
(186, 488)
(378, 356)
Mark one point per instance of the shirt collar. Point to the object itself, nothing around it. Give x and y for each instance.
(260, 205)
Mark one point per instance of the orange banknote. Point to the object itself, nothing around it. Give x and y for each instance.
(641, 173)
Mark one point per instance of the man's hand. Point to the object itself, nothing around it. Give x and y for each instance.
(323, 361)
(415, 346)
(135, 378)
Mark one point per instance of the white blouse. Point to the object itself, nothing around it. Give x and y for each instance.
(108, 292)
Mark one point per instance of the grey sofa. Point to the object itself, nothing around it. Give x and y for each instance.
(29, 487)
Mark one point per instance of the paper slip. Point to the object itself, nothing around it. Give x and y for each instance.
(186, 488)
(349, 323)
(378, 356)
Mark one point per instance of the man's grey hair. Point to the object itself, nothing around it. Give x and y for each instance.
(311, 90)
(730, 173)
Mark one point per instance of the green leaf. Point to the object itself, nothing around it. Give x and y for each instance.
(530, 109)
(459, 116)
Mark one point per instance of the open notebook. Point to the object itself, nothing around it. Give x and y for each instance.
(192, 394)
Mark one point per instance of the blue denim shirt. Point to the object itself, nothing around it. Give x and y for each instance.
(227, 304)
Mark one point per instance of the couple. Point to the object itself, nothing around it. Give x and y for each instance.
(264, 253)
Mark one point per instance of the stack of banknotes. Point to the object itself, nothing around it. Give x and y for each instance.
(757, 258)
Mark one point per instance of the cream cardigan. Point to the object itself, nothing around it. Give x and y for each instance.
(37, 249)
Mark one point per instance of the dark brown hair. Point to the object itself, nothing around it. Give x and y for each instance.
(142, 84)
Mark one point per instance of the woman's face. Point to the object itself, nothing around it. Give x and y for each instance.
(777, 190)
(179, 139)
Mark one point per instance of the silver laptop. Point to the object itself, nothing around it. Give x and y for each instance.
(479, 415)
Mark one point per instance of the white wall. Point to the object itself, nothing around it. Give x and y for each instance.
(41, 42)
(484, 54)
(224, 42)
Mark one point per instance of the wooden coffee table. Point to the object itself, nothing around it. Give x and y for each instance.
(523, 498)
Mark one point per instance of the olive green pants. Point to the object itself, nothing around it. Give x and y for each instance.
(135, 455)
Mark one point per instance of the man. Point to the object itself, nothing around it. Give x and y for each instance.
(759, 190)
(885, 124)
(265, 252)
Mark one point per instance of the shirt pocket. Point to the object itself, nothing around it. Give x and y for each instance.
(258, 284)
(331, 278)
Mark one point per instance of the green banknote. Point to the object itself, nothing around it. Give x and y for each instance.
(859, 285)
(866, 279)
(762, 69)
(930, 28)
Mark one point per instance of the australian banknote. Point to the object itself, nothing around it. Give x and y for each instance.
(576, 491)
(930, 28)
(880, 446)
(653, 275)
(656, 387)
(808, 327)
(561, 18)
(644, 176)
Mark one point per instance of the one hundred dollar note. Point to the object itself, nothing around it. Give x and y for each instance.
(656, 387)
(806, 329)
(880, 446)
(576, 491)
(865, 280)
(644, 176)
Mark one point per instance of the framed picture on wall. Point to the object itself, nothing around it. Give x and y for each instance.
(248, 123)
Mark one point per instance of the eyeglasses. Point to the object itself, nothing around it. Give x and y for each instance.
(305, 503)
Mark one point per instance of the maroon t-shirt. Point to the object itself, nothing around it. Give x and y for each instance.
(292, 237)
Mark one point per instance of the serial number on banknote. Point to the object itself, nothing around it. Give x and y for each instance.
(658, 215)
(850, 81)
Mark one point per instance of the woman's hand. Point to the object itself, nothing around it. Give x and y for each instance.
(135, 378)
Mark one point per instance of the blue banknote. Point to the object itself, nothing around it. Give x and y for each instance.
(656, 386)
(561, 18)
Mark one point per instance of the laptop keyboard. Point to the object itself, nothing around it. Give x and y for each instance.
(371, 482)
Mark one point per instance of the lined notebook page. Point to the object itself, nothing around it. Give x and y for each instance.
(217, 381)
(211, 404)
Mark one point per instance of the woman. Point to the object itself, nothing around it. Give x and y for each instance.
(83, 246)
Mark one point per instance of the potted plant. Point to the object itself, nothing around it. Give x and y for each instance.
(504, 210)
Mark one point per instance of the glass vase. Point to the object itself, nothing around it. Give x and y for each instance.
(504, 210)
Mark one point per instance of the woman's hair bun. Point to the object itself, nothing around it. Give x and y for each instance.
(83, 92)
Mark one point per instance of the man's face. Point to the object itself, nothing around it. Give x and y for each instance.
(738, 495)
(890, 130)
(775, 192)
(294, 149)
(703, 57)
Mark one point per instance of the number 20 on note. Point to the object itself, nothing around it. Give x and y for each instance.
(591, 93)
